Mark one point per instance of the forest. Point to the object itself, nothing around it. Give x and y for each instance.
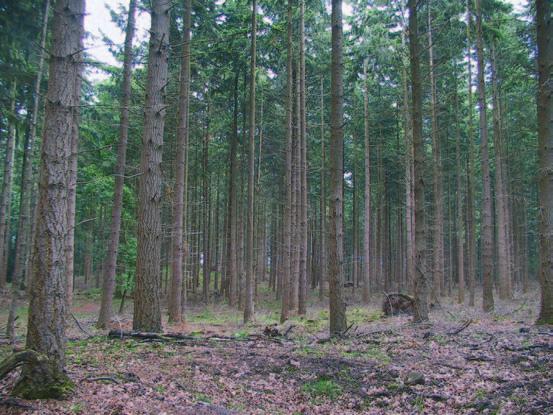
(276, 207)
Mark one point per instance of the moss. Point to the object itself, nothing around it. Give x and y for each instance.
(31, 389)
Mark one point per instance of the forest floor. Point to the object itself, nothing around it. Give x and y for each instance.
(497, 364)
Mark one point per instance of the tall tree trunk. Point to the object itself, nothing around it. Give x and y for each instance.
(420, 282)
(71, 206)
(147, 313)
(503, 263)
(367, 201)
(180, 208)
(544, 22)
(5, 202)
(322, 225)
(438, 229)
(470, 214)
(46, 378)
(487, 227)
(460, 231)
(302, 299)
(336, 236)
(24, 224)
(206, 209)
(248, 306)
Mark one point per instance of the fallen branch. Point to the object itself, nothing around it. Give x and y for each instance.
(17, 359)
(16, 403)
(79, 325)
(101, 378)
(461, 328)
(288, 330)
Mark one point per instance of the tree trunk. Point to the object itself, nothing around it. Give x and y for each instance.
(503, 263)
(302, 298)
(438, 229)
(459, 201)
(206, 209)
(147, 313)
(336, 236)
(545, 141)
(179, 207)
(5, 202)
(46, 378)
(322, 226)
(248, 306)
(420, 283)
(470, 214)
(367, 205)
(487, 227)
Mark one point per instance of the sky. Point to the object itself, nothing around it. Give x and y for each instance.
(98, 23)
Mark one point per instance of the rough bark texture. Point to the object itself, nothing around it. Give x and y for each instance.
(108, 284)
(206, 206)
(6, 197)
(336, 236)
(147, 313)
(545, 142)
(420, 282)
(460, 240)
(248, 306)
(438, 228)
(367, 205)
(48, 305)
(486, 227)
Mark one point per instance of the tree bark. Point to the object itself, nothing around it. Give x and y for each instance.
(249, 305)
(48, 304)
(420, 282)
(367, 206)
(147, 313)
(438, 229)
(179, 207)
(460, 235)
(544, 22)
(487, 229)
(336, 236)
(5, 202)
(322, 226)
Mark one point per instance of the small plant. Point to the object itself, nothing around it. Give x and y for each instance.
(76, 408)
(202, 397)
(418, 402)
(323, 387)
(159, 388)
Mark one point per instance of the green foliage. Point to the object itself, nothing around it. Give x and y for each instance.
(323, 387)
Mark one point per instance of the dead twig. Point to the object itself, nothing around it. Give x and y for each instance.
(79, 325)
(101, 378)
(461, 328)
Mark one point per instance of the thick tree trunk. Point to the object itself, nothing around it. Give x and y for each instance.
(544, 22)
(420, 282)
(249, 305)
(336, 236)
(179, 207)
(486, 227)
(438, 228)
(147, 313)
(367, 258)
(48, 305)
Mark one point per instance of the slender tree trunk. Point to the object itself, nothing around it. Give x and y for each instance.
(5, 202)
(471, 229)
(544, 22)
(367, 206)
(438, 229)
(147, 313)
(249, 305)
(206, 208)
(459, 201)
(505, 290)
(336, 236)
(179, 208)
(24, 224)
(486, 227)
(420, 283)
(322, 226)
(302, 299)
(46, 378)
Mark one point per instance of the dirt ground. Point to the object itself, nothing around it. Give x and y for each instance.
(463, 362)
